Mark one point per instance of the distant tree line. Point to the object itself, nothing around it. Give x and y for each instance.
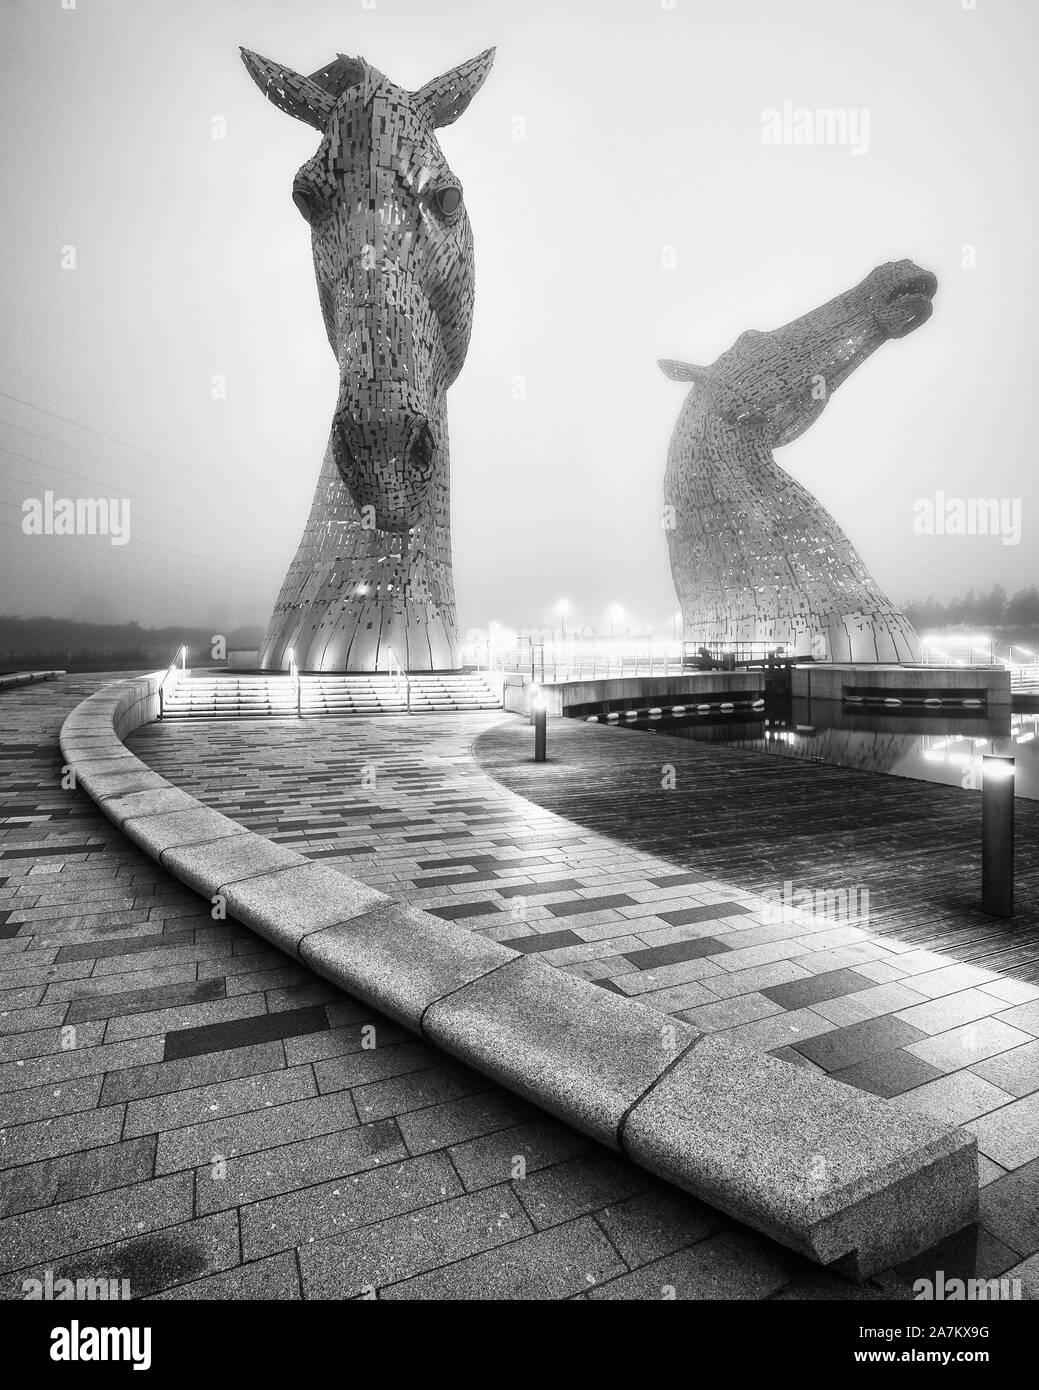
(63, 642)
(992, 608)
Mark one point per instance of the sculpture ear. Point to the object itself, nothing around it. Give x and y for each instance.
(681, 371)
(290, 92)
(446, 97)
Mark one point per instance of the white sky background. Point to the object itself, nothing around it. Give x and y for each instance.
(643, 130)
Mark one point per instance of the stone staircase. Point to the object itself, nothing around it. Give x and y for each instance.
(200, 696)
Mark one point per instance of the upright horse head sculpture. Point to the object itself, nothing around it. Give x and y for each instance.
(393, 257)
(755, 557)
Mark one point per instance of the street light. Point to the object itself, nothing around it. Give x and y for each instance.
(564, 608)
(616, 613)
(997, 835)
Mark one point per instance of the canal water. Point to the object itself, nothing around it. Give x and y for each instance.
(941, 747)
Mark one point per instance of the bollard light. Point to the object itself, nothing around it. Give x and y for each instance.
(535, 695)
(997, 835)
(540, 721)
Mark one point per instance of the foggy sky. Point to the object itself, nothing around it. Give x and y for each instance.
(641, 131)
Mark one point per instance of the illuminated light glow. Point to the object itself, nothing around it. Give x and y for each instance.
(998, 769)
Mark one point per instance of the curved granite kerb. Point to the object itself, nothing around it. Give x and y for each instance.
(830, 1171)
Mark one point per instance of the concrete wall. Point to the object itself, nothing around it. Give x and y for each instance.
(687, 688)
(824, 682)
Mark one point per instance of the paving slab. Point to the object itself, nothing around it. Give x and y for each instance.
(580, 1053)
(449, 1105)
(286, 905)
(401, 960)
(839, 1175)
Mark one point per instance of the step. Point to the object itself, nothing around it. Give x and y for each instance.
(261, 696)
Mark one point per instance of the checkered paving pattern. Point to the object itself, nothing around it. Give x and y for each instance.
(405, 806)
(184, 1108)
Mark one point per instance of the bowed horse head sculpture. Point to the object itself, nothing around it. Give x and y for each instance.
(755, 557)
(393, 259)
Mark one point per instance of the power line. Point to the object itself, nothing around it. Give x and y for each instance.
(79, 425)
(113, 463)
(124, 444)
(83, 477)
(174, 550)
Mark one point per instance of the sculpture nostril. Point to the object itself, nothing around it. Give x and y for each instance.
(421, 451)
(343, 454)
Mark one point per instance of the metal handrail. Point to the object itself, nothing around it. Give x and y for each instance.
(182, 653)
(294, 677)
(401, 673)
(591, 659)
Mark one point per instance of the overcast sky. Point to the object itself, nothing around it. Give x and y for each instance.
(643, 131)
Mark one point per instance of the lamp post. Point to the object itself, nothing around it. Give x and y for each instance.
(563, 606)
(997, 835)
(616, 613)
(540, 714)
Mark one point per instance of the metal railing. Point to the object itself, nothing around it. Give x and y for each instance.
(956, 649)
(180, 654)
(576, 657)
(401, 674)
(1024, 675)
(548, 662)
(294, 678)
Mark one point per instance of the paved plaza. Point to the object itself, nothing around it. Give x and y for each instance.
(185, 1108)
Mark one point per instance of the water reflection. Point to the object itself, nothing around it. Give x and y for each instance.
(941, 747)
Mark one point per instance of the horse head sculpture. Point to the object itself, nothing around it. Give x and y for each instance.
(755, 557)
(393, 259)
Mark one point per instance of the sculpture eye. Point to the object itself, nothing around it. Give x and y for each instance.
(449, 199)
(310, 201)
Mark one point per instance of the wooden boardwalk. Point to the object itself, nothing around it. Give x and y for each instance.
(761, 821)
